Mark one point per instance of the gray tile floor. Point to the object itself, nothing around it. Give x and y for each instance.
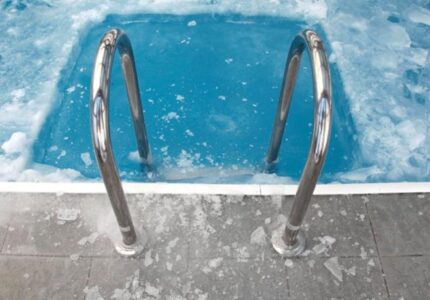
(214, 247)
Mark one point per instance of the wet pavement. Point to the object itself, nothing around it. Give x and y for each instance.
(59, 246)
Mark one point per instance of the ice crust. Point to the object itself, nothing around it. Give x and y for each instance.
(380, 47)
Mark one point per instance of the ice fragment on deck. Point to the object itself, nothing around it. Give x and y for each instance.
(363, 253)
(68, 214)
(75, 256)
(92, 293)
(89, 239)
(215, 263)
(148, 259)
(258, 236)
(325, 244)
(332, 264)
(289, 263)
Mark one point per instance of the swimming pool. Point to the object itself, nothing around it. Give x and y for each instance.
(210, 81)
(210, 86)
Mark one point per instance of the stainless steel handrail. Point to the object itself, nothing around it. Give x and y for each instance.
(100, 129)
(291, 241)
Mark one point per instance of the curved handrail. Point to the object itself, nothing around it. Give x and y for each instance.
(321, 130)
(99, 110)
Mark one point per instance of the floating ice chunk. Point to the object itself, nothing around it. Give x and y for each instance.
(418, 14)
(415, 134)
(222, 97)
(361, 174)
(86, 158)
(62, 154)
(17, 94)
(170, 116)
(71, 89)
(391, 35)
(134, 156)
(192, 23)
(189, 132)
(311, 8)
(332, 264)
(68, 214)
(418, 56)
(17, 143)
(180, 98)
(258, 236)
(228, 60)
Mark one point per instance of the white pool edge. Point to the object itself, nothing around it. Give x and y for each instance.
(214, 189)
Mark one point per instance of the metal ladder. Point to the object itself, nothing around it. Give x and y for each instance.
(291, 241)
(114, 39)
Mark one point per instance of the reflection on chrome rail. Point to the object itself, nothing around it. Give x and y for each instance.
(99, 118)
(291, 242)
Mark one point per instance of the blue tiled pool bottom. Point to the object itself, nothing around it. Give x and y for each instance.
(210, 86)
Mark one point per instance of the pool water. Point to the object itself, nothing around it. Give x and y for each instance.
(210, 86)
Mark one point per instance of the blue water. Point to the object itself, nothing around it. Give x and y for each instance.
(209, 94)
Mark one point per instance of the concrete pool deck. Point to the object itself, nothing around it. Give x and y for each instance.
(57, 246)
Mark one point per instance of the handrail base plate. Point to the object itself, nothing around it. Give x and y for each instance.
(285, 250)
(135, 249)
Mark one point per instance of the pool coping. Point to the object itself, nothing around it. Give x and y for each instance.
(214, 189)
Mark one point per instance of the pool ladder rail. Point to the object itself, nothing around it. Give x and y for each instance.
(131, 244)
(289, 241)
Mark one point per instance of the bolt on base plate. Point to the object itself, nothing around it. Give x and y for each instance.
(134, 249)
(285, 250)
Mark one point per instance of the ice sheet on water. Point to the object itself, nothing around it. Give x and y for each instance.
(380, 47)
